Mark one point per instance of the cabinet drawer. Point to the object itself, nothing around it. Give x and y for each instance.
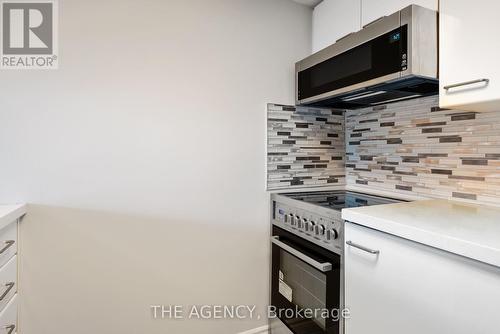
(8, 243)
(8, 318)
(8, 282)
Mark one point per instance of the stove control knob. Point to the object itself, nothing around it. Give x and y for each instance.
(292, 219)
(320, 229)
(332, 234)
(299, 221)
(307, 225)
(311, 226)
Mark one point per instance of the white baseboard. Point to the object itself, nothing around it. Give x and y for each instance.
(259, 330)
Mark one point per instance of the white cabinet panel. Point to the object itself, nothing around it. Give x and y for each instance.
(8, 317)
(411, 288)
(374, 9)
(333, 19)
(469, 51)
(8, 281)
(8, 242)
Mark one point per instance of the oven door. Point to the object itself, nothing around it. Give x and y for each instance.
(305, 287)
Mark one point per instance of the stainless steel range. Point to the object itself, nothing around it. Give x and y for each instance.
(307, 273)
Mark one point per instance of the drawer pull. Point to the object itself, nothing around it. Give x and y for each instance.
(9, 287)
(363, 248)
(10, 329)
(467, 83)
(8, 244)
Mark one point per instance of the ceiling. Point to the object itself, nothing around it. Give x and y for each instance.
(310, 3)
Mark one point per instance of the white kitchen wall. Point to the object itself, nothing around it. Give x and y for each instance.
(143, 160)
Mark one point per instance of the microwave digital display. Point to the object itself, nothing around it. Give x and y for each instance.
(395, 37)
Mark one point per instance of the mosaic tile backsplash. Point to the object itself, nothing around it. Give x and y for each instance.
(413, 147)
(306, 147)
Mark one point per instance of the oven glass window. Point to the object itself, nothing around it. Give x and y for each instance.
(304, 284)
(381, 56)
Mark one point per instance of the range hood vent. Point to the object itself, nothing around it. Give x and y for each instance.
(404, 89)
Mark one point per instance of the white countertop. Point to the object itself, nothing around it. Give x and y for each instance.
(469, 230)
(9, 213)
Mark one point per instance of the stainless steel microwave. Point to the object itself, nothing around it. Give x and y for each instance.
(391, 59)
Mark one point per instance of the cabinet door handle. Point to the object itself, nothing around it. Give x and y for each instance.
(8, 244)
(363, 248)
(467, 83)
(9, 287)
(10, 329)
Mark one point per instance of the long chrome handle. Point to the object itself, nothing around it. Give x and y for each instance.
(10, 329)
(466, 83)
(8, 244)
(9, 287)
(363, 248)
(324, 267)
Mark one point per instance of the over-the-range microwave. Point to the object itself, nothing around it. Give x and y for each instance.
(391, 59)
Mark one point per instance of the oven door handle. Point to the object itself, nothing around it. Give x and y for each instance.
(324, 267)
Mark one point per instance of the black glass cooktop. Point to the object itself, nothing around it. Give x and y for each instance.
(338, 200)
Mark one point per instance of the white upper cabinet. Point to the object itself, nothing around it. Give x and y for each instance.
(468, 59)
(333, 19)
(374, 9)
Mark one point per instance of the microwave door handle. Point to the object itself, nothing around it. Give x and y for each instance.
(324, 267)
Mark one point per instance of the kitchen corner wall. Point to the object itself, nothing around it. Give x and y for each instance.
(306, 147)
(413, 147)
(142, 159)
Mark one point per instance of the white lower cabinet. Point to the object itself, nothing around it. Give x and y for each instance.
(394, 286)
(8, 279)
(8, 243)
(8, 317)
